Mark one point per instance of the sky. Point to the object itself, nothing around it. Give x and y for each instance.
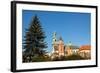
(71, 26)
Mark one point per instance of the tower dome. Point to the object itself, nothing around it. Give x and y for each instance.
(69, 44)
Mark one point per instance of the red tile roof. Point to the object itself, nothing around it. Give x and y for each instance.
(85, 47)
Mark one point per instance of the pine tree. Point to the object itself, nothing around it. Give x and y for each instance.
(34, 40)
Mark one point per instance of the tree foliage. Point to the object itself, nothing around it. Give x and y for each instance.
(34, 40)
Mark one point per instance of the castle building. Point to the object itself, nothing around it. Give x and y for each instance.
(85, 51)
(59, 49)
(71, 49)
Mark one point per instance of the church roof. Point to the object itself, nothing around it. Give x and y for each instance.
(85, 47)
(73, 47)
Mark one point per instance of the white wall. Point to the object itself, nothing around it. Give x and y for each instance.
(5, 36)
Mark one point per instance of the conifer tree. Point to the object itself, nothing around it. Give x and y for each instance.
(34, 40)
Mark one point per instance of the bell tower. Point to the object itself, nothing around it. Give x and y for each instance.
(54, 38)
(54, 43)
(61, 47)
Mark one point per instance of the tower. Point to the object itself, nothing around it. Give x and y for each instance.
(57, 46)
(61, 47)
(54, 43)
(54, 38)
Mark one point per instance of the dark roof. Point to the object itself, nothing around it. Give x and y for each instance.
(73, 47)
(60, 38)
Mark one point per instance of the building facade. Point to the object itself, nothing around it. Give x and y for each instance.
(59, 49)
(85, 51)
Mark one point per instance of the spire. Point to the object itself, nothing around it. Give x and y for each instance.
(60, 38)
(54, 38)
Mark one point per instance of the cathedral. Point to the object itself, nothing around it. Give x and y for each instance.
(59, 49)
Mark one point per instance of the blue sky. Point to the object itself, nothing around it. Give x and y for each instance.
(71, 26)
